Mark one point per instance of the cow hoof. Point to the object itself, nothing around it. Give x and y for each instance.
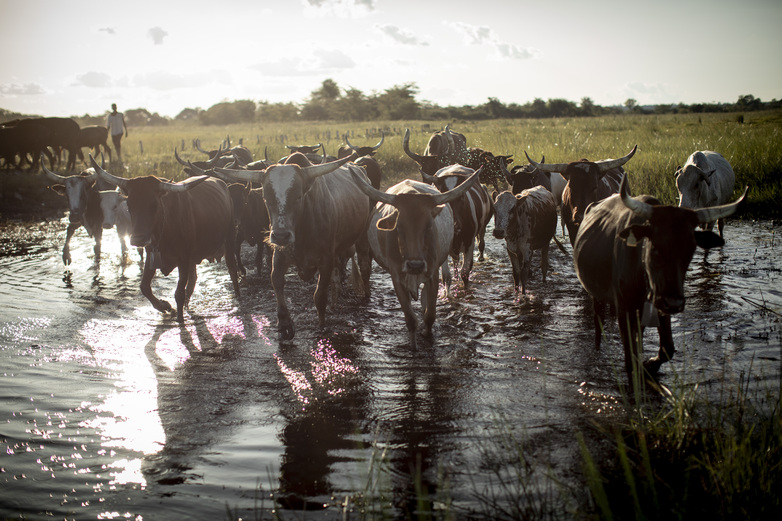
(287, 331)
(652, 366)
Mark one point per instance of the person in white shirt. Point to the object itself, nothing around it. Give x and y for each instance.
(116, 124)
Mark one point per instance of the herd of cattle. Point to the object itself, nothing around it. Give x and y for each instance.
(316, 213)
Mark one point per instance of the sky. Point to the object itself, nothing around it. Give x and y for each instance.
(71, 58)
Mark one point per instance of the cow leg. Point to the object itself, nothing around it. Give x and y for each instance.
(238, 253)
(429, 303)
(598, 315)
(230, 258)
(280, 265)
(183, 286)
(66, 249)
(666, 345)
(629, 327)
(544, 260)
(403, 295)
(98, 240)
(445, 269)
(467, 265)
(515, 269)
(146, 287)
(364, 255)
(481, 244)
(321, 297)
(192, 277)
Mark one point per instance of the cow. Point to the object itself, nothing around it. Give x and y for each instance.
(706, 179)
(527, 221)
(94, 137)
(27, 142)
(83, 197)
(241, 152)
(252, 222)
(310, 152)
(114, 207)
(630, 250)
(494, 167)
(471, 213)
(318, 216)
(444, 149)
(587, 182)
(524, 177)
(61, 133)
(194, 168)
(179, 225)
(347, 149)
(410, 234)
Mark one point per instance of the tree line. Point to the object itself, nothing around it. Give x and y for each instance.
(330, 102)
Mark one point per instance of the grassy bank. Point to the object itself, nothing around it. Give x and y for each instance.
(752, 143)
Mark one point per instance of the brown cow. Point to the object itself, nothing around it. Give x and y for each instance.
(410, 234)
(630, 250)
(347, 149)
(179, 224)
(471, 213)
(94, 137)
(587, 182)
(318, 216)
(444, 149)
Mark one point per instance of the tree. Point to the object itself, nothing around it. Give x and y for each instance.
(631, 104)
(399, 102)
(587, 107)
(328, 91)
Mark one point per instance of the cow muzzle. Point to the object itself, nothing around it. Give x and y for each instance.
(499, 233)
(414, 267)
(669, 305)
(140, 241)
(281, 238)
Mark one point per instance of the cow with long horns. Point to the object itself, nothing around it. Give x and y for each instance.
(410, 233)
(348, 148)
(630, 250)
(318, 216)
(179, 225)
(587, 183)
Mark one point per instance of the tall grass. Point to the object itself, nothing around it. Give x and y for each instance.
(753, 147)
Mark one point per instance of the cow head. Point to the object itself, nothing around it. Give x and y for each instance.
(584, 179)
(145, 200)
(413, 220)
(111, 202)
(693, 186)
(75, 187)
(444, 148)
(348, 149)
(284, 188)
(671, 239)
(524, 177)
(504, 206)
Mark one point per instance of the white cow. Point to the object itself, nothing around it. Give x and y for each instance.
(114, 206)
(705, 180)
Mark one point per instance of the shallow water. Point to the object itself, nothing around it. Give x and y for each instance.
(109, 409)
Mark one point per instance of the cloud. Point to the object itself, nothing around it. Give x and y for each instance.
(400, 35)
(107, 30)
(322, 61)
(157, 34)
(165, 80)
(482, 35)
(93, 79)
(339, 8)
(28, 89)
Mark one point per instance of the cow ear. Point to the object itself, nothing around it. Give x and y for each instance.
(708, 240)
(633, 234)
(60, 189)
(388, 223)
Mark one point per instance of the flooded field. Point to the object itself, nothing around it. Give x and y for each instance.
(111, 410)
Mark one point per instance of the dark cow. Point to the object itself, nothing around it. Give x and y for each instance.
(94, 137)
(310, 152)
(252, 222)
(632, 250)
(240, 152)
(706, 179)
(372, 169)
(25, 142)
(471, 213)
(179, 224)
(587, 182)
(83, 204)
(493, 167)
(527, 221)
(410, 234)
(347, 149)
(194, 168)
(62, 133)
(318, 216)
(444, 149)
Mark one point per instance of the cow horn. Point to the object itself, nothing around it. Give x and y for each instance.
(266, 154)
(508, 176)
(109, 178)
(449, 137)
(347, 142)
(607, 164)
(198, 147)
(712, 213)
(243, 176)
(372, 192)
(179, 159)
(382, 138)
(57, 178)
(640, 208)
(546, 167)
(427, 178)
(406, 147)
(183, 186)
(458, 191)
(311, 172)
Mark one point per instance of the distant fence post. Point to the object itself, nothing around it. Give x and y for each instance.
(141, 146)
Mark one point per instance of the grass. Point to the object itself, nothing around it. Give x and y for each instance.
(753, 147)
